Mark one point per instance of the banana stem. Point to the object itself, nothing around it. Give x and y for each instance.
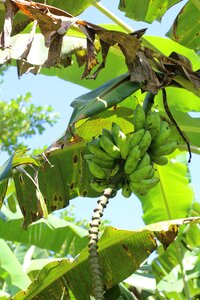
(111, 16)
(148, 102)
(94, 262)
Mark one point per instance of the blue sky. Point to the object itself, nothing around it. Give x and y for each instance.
(123, 213)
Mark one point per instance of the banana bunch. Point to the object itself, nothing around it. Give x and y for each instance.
(161, 144)
(126, 161)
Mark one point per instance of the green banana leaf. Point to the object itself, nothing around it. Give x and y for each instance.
(3, 189)
(53, 234)
(146, 10)
(132, 247)
(11, 270)
(103, 98)
(184, 34)
(164, 202)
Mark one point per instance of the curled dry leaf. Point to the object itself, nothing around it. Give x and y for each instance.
(153, 70)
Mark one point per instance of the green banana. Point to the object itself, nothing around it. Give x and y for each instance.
(143, 186)
(126, 191)
(159, 160)
(163, 135)
(96, 170)
(121, 140)
(107, 133)
(136, 137)
(99, 186)
(139, 118)
(143, 173)
(102, 163)
(132, 160)
(145, 161)
(165, 149)
(109, 147)
(145, 142)
(95, 149)
(152, 123)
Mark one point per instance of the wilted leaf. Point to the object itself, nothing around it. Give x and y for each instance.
(11, 10)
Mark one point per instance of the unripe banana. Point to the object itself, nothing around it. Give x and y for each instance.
(139, 118)
(99, 186)
(159, 160)
(165, 149)
(145, 161)
(107, 133)
(138, 190)
(145, 142)
(108, 164)
(95, 149)
(143, 173)
(126, 191)
(109, 147)
(143, 186)
(96, 170)
(136, 137)
(163, 135)
(132, 160)
(121, 140)
(152, 123)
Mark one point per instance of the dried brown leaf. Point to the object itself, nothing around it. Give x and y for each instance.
(30, 41)
(25, 67)
(10, 11)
